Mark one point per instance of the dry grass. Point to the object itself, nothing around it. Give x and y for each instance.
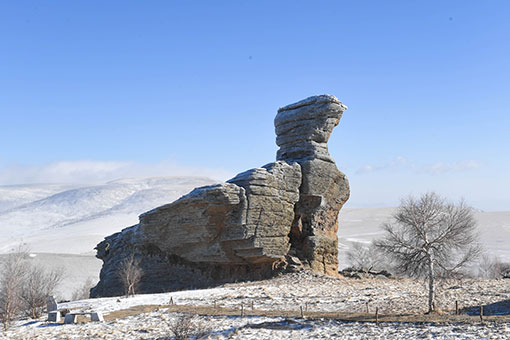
(440, 318)
(136, 310)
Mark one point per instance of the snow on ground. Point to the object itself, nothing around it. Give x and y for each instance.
(288, 292)
(363, 225)
(156, 325)
(65, 219)
(320, 293)
(12, 196)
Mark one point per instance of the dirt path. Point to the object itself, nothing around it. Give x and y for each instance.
(309, 315)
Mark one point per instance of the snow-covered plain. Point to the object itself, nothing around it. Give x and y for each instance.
(156, 325)
(363, 225)
(286, 293)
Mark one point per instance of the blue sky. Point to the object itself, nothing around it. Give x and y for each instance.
(94, 90)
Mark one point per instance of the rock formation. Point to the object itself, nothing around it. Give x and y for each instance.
(249, 227)
(302, 131)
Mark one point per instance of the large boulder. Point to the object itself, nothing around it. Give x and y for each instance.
(248, 227)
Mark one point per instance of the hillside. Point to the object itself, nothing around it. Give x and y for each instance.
(66, 219)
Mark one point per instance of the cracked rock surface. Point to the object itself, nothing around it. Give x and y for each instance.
(250, 226)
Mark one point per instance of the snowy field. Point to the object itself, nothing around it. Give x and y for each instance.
(363, 225)
(285, 293)
(155, 325)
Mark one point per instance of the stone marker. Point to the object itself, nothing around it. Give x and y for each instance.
(54, 316)
(51, 304)
(96, 316)
(70, 318)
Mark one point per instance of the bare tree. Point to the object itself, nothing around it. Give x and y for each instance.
(431, 238)
(13, 271)
(83, 291)
(38, 284)
(365, 256)
(492, 267)
(130, 274)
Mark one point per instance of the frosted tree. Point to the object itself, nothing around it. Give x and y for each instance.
(130, 274)
(37, 285)
(431, 238)
(13, 272)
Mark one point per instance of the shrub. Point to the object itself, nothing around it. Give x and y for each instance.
(492, 267)
(13, 271)
(187, 326)
(83, 291)
(24, 287)
(365, 256)
(38, 283)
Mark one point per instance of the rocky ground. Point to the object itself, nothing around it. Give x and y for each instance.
(287, 294)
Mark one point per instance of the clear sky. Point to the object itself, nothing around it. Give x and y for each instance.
(94, 90)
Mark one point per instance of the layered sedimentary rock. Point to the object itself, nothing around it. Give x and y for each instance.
(248, 227)
(303, 130)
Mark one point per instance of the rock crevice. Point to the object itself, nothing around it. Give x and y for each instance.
(247, 227)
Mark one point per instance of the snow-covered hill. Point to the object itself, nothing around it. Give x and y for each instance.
(12, 196)
(69, 219)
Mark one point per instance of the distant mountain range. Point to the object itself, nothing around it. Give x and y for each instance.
(61, 218)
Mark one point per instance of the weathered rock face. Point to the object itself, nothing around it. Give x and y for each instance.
(303, 130)
(235, 230)
(247, 227)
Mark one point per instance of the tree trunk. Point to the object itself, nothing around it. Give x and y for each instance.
(131, 290)
(431, 284)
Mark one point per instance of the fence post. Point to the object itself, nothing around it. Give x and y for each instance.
(481, 313)
(456, 307)
(377, 316)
